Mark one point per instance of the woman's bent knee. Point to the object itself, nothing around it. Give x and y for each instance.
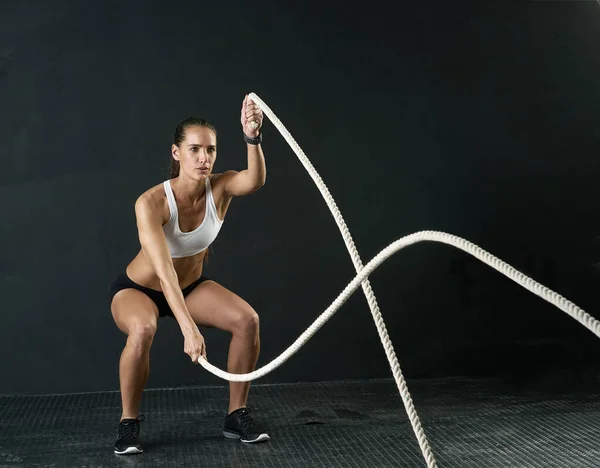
(247, 323)
(141, 333)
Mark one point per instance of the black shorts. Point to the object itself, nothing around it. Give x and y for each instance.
(124, 282)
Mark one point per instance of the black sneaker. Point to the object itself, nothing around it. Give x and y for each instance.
(128, 439)
(240, 425)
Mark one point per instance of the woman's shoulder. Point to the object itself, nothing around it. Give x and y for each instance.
(154, 193)
(220, 179)
(153, 199)
(215, 177)
(217, 180)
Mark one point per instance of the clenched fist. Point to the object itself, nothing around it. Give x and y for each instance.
(194, 346)
(251, 118)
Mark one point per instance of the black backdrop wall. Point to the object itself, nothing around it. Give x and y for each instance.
(475, 119)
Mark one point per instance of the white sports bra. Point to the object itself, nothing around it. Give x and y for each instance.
(186, 244)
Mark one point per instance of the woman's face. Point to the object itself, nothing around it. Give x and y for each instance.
(197, 152)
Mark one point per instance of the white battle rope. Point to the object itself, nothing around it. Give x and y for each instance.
(361, 279)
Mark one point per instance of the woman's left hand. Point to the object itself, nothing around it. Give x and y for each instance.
(252, 118)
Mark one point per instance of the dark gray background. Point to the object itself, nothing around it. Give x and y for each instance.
(475, 118)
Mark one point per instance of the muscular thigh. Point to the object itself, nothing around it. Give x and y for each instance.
(132, 308)
(212, 305)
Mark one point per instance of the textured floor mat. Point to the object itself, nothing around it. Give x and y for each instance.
(469, 423)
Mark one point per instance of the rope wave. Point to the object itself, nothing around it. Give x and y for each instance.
(363, 271)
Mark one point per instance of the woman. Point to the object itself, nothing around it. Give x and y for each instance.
(177, 221)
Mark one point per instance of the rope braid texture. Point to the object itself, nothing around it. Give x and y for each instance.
(361, 280)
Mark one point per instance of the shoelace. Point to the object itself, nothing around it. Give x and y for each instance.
(130, 428)
(248, 424)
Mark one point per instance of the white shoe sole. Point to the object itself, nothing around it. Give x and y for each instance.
(129, 451)
(261, 438)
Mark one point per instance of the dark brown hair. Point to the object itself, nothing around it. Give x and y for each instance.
(179, 136)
